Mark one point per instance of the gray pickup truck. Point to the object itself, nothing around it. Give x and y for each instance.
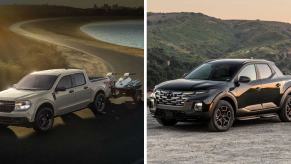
(40, 96)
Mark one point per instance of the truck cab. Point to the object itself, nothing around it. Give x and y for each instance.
(40, 96)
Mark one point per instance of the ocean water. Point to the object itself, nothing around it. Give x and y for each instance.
(124, 33)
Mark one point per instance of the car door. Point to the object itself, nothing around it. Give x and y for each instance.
(270, 86)
(64, 100)
(247, 94)
(83, 92)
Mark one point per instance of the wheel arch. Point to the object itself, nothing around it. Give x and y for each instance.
(226, 96)
(284, 96)
(44, 104)
(98, 92)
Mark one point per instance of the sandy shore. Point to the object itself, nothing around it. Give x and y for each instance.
(71, 27)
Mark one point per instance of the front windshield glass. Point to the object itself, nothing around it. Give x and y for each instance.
(36, 82)
(214, 71)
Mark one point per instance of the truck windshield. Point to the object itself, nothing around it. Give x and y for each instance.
(214, 71)
(36, 82)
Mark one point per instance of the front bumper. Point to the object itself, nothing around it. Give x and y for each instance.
(15, 118)
(21, 121)
(181, 113)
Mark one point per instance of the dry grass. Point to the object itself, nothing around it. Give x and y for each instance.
(92, 64)
(19, 56)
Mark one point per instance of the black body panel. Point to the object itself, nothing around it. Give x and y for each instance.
(259, 96)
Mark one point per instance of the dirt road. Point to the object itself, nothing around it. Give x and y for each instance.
(252, 141)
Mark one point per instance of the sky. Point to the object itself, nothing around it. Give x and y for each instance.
(274, 10)
(76, 3)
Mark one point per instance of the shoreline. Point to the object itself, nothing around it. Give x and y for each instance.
(60, 26)
(85, 29)
(71, 54)
(65, 32)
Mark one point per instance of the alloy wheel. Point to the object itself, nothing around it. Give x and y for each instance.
(45, 120)
(223, 116)
(100, 103)
(288, 108)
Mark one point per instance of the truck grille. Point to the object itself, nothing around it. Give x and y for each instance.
(7, 106)
(174, 98)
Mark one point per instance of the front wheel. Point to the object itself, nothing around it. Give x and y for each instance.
(99, 104)
(44, 120)
(222, 117)
(285, 112)
(167, 122)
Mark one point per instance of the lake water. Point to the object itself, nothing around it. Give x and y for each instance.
(124, 33)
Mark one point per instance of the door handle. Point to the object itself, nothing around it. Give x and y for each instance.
(71, 91)
(278, 85)
(86, 87)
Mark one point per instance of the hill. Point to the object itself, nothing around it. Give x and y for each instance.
(187, 39)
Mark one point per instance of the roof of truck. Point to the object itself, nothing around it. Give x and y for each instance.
(239, 61)
(58, 71)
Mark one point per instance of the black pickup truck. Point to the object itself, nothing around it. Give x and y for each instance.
(221, 91)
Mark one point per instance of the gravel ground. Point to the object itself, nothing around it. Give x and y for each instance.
(251, 141)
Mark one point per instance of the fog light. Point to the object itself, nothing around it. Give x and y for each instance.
(198, 107)
(152, 105)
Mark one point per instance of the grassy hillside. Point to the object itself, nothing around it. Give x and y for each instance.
(19, 55)
(186, 39)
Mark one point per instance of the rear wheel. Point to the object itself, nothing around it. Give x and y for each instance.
(285, 112)
(222, 117)
(99, 104)
(167, 122)
(137, 96)
(44, 119)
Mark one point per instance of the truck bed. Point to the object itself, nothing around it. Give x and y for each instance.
(96, 78)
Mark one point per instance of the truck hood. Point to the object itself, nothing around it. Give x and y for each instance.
(13, 94)
(190, 85)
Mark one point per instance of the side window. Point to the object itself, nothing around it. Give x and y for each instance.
(65, 82)
(78, 79)
(264, 71)
(249, 71)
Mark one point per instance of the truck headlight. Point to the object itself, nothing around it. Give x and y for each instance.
(22, 105)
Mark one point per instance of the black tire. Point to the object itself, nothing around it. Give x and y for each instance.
(167, 122)
(44, 119)
(285, 112)
(137, 97)
(99, 104)
(222, 117)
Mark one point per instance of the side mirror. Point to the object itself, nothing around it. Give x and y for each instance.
(184, 75)
(244, 79)
(60, 89)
